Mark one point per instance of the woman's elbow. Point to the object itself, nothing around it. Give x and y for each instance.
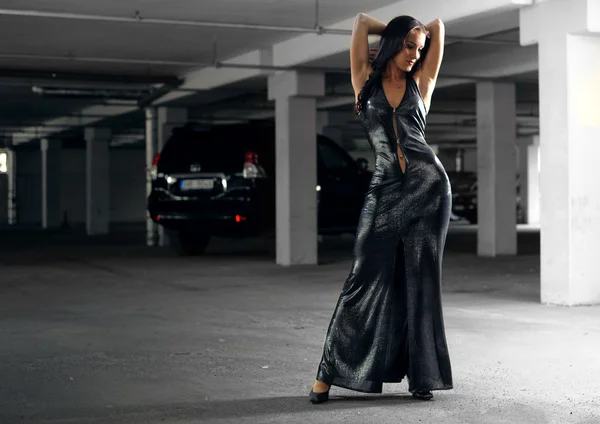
(360, 18)
(436, 24)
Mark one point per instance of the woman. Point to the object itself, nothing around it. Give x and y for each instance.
(388, 321)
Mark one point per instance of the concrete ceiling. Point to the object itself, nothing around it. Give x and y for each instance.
(65, 44)
(70, 43)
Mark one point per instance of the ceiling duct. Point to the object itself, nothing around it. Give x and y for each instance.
(90, 93)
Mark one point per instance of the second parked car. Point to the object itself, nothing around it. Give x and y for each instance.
(464, 196)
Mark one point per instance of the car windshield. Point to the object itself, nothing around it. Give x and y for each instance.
(209, 152)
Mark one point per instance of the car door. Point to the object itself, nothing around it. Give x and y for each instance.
(341, 187)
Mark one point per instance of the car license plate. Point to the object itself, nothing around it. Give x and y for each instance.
(197, 184)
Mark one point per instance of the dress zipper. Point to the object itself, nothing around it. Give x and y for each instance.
(398, 146)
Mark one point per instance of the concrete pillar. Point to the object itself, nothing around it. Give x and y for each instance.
(496, 169)
(296, 165)
(168, 118)
(529, 177)
(151, 151)
(569, 87)
(3, 187)
(533, 182)
(12, 186)
(521, 151)
(459, 160)
(51, 210)
(97, 181)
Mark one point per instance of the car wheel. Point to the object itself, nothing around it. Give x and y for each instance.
(189, 244)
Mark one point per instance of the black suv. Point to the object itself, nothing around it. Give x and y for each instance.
(221, 182)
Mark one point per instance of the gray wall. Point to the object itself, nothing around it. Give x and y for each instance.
(127, 186)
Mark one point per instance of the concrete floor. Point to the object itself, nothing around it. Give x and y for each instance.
(104, 331)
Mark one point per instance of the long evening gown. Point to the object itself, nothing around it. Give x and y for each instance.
(388, 321)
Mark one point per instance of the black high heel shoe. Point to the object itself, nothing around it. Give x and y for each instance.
(318, 397)
(423, 395)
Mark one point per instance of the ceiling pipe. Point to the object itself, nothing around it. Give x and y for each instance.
(139, 19)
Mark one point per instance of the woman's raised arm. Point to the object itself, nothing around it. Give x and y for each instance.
(427, 75)
(360, 67)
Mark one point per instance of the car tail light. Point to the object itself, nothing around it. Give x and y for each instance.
(252, 168)
(154, 167)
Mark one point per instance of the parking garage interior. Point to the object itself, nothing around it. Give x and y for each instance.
(103, 319)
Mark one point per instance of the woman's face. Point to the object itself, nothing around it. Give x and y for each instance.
(411, 53)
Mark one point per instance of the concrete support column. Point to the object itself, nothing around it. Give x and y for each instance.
(12, 186)
(496, 169)
(151, 151)
(459, 160)
(296, 165)
(97, 181)
(533, 181)
(530, 178)
(168, 118)
(51, 211)
(569, 148)
(522, 144)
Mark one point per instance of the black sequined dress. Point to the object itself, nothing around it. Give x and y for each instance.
(388, 321)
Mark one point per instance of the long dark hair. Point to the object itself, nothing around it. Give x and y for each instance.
(390, 44)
